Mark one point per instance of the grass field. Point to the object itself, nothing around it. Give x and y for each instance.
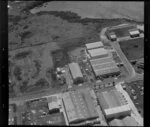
(133, 49)
(29, 69)
(63, 27)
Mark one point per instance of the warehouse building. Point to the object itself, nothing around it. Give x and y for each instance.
(98, 53)
(134, 33)
(105, 69)
(53, 104)
(94, 45)
(127, 121)
(79, 106)
(113, 104)
(112, 36)
(101, 60)
(76, 73)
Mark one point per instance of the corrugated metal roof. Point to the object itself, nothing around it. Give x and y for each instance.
(70, 109)
(98, 52)
(104, 65)
(79, 106)
(75, 70)
(110, 99)
(90, 104)
(101, 60)
(94, 45)
(102, 101)
(106, 71)
(116, 110)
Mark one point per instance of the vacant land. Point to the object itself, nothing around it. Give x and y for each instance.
(63, 27)
(122, 31)
(133, 49)
(36, 112)
(28, 69)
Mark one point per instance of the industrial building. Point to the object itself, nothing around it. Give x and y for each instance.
(101, 60)
(134, 33)
(53, 103)
(112, 36)
(79, 106)
(104, 67)
(98, 53)
(113, 104)
(76, 73)
(127, 121)
(119, 31)
(94, 45)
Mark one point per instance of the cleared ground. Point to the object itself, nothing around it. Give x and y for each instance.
(133, 48)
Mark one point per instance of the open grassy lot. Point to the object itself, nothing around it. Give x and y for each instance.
(122, 31)
(28, 69)
(63, 27)
(133, 48)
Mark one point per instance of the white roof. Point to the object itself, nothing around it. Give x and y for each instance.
(94, 45)
(116, 110)
(97, 52)
(75, 70)
(113, 36)
(135, 32)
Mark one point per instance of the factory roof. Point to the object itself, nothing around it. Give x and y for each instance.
(97, 52)
(94, 45)
(118, 109)
(108, 70)
(79, 106)
(75, 70)
(53, 102)
(110, 99)
(134, 31)
(102, 66)
(127, 121)
(101, 60)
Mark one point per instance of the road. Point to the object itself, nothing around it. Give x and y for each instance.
(133, 76)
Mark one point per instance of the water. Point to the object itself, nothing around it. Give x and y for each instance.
(108, 10)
